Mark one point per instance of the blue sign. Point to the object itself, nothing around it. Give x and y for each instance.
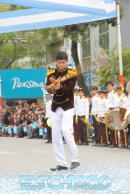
(21, 84)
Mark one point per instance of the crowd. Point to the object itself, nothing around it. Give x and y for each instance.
(103, 109)
(23, 120)
(34, 120)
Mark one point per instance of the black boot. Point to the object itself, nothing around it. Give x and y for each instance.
(59, 167)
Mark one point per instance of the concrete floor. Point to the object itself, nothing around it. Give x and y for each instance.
(23, 157)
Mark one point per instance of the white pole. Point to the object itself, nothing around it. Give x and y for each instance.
(120, 45)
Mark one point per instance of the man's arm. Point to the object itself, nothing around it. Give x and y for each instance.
(62, 88)
(50, 80)
(67, 87)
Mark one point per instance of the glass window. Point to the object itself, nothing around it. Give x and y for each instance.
(104, 36)
(86, 43)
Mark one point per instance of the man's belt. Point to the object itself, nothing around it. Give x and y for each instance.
(60, 102)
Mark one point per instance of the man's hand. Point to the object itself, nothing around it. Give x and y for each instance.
(52, 79)
(45, 87)
(57, 83)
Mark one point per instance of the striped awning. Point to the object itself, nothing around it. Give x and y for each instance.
(52, 13)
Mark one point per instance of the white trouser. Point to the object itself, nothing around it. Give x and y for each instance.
(62, 124)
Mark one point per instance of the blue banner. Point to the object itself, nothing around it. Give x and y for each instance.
(21, 84)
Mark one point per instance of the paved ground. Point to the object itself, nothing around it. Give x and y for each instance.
(25, 163)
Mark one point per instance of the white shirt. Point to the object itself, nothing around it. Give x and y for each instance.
(103, 106)
(122, 101)
(95, 100)
(128, 98)
(128, 87)
(83, 107)
(127, 103)
(48, 109)
(75, 104)
(113, 99)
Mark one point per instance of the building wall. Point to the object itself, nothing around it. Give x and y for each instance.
(97, 57)
(125, 23)
(113, 39)
(102, 40)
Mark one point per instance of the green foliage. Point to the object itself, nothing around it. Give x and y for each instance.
(5, 7)
(111, 72)
(33, 44)
(126, 63)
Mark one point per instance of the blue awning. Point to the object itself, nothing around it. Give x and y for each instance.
(50, 13)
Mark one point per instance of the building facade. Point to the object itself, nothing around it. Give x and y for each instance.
(125, 23)
(97, 42)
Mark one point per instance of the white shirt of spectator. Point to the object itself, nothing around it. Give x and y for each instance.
(103, 106)
(127, 103)
(122, 101)
(95, 101)
(128, 98)
(128, 87)
(48, 109)
(113, 99)
(76, 97)
(83, 107)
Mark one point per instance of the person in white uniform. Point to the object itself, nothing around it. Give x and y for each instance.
(75, 118)
(122, 97)
(103, 107)
(61, 82)
(123, 109)
(83, 115)
(48, 117)
(94, 103)
(128, 98)
(113, 101)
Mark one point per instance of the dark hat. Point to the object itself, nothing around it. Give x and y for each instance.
(119, 88)
(110, 83)
(94, 88)
(75, 90)
(102, 91)
(106, 91)
(81, 90)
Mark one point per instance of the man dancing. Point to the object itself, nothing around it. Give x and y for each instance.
(61, 82)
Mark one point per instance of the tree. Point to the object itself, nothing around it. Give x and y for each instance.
(111, 71)
(35, 43)
(74, 33)
(12, 45)
(5, 7)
